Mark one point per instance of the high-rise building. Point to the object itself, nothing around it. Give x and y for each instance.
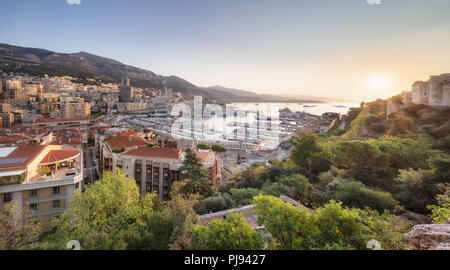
(13, 93)
(72, 107)
(126, 92)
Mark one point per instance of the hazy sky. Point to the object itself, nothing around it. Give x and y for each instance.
(337, 48)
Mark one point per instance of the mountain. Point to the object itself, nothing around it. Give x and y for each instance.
(322, 99)
(247, 96)
(84, 65)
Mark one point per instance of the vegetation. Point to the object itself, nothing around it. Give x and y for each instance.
(218, 149)
(111, 214)
(356, 194)
(194, 176)
(233, 233)
(44, 170)
(201, 146)
(17, 233)
(118, 150)
(331, 226)
(350, 183)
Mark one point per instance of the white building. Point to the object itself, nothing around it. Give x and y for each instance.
(434, 92)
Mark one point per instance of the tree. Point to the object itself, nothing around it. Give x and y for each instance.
(244, 196)
(215, 203)
(196, 178)
(106, 216)
(233, 233)
(17, 232)
(331, 226)
(202, 146)
(308, 152)
(356, 194)
(289, 226)
(295, 186)
(218, 149)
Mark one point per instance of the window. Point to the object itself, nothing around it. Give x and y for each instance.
(7, 197)
(56, 204)
(33, 207)
(56, 190)
(33, 193)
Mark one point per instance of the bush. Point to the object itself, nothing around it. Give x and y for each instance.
(377, 127)
(356, 194)
(233, 233)
(440, 214)
(330, 226)
(244, 196)
(44, 171)
(118, 150)
(202, 146)
(215, 203)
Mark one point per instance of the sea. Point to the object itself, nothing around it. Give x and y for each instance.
(216, 124)
(311, 108)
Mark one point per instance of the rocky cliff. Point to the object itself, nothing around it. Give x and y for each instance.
(430, 236)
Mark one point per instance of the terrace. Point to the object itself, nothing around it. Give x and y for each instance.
(57, 164)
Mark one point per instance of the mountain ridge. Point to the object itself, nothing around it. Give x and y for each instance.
(35, 61)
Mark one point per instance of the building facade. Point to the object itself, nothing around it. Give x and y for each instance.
(153, 167)
(126, 92)
(434, 92)
(24, 184)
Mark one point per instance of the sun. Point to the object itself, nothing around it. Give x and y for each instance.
(378, 82)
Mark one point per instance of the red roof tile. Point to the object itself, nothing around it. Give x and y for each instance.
(26, 152)
(125, 142)
(149, 152)
(59, 155)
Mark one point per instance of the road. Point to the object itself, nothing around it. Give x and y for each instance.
(90, 170)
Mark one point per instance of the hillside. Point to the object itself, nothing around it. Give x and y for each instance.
(85, 65)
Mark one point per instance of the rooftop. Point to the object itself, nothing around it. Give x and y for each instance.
(167, 153)
(49, 120)
(121, 141)
(19, 156)
(59, 156)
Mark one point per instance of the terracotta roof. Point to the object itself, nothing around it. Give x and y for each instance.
(128, 132)
(21, 156)
(203, 156)
(12, 138)
(59, 155)
(125, 142)
(169, 153)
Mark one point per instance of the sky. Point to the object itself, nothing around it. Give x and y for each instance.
(347, 49)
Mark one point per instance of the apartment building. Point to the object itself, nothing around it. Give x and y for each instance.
(46, 194)
(434, 92)
(72, 107)
(153, 168)
(88, 125)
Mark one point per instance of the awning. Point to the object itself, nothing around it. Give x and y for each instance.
(11, 173)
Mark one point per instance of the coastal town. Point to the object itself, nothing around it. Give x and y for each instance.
(224, 133)
(58, 135)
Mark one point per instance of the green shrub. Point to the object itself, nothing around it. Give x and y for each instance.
(356, 194)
